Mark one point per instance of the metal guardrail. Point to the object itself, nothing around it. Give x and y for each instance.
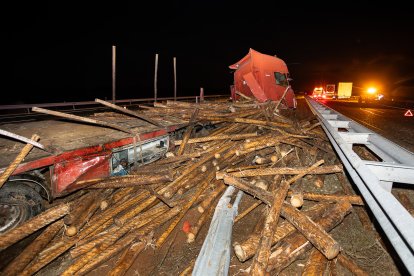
(84, 103)
(374, 179)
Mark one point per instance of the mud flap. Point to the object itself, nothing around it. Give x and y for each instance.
(214, 257)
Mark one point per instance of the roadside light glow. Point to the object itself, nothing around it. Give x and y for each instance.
(371, 90)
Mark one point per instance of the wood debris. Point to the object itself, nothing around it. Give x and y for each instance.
(242, 148)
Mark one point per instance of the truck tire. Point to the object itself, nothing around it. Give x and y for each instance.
(18, 203)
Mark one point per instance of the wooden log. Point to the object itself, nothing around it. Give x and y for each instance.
(44, 259)
(245, 121)
(195, 229)
(124, 181)
(19, 158)
(241, 184)
(187, 132)
(351, 265)
(217, 137)
(110, 213)
(211, 197)
(144, 201)
(274, 171)
(184, 210)
(353, 199)
(110, 239)
(79, 206)
(315, 265)
(122, 194)
(332, 267)
(110, 236)
(32, 225)
(261, 258)
(182, 158)
(246, 249)
(296, 199)
(247, 211)
(263, 252)
(109, 252)
(296, 244)
(312, 231)
(130, 112)
(175, 185)
(82, 215)
(128, 257)
(82, 119)
(271, 187)
(55, 250)
(16, 266)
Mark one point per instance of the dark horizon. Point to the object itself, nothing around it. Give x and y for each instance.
(62, 52)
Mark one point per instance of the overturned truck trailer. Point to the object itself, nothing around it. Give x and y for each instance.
(263, 77)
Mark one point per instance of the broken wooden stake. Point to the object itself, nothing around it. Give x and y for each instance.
(19, 158)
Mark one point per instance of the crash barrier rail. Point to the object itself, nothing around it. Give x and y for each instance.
(29, 107)
(374, 179)
(214, 256)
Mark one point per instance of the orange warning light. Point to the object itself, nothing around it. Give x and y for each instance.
(408, 113)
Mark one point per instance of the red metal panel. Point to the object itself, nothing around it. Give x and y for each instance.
(255, 87)
(29, 166)
(81, 168)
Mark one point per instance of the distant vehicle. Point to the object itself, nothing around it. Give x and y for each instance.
(344, 90)
(330, 91)
(371, 95)
(263, 77)
(318, 93)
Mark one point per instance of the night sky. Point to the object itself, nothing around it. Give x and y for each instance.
(61, 50)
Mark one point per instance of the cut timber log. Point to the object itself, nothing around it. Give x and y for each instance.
(296, 244)
(128, 257)
(315, 265)
(296, 199)
(217, 137)
(111, 238)
(351, 265)
(109, 252)
(245, 121)
(32, 225)
(245, 250)
(125, 181)
(84, 210)
(81, 119)
(29, 253)
(274, 171)
(353, 199)
(187, 132)
(312, 231)
(192, 235)
(186, 207)
(130, 112)
(263, 252)
(245, 186)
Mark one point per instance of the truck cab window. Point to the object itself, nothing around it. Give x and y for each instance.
(281, 79)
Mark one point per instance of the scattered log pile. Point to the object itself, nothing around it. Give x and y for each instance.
(266, 154)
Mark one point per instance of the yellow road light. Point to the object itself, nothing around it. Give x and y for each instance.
(372, 90)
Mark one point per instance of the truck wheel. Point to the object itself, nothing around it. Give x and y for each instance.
(18, 203)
